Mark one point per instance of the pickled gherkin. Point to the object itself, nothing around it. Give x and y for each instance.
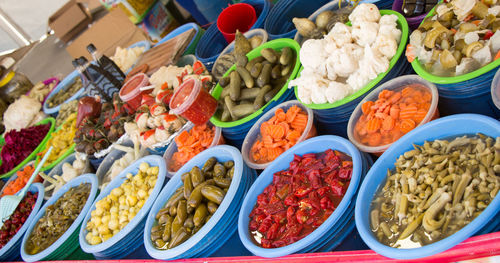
(192, 205)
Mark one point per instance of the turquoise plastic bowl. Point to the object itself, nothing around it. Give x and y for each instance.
(328, 230)
(455, 125)
(68, 242)
(130, 237)
(222, 225)
(64, 84)
(10, 252)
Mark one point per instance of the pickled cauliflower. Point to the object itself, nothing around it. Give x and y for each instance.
(348, 57)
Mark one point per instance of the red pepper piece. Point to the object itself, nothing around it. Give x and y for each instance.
(302, 216)
(262, 200)
(265, 225)
(326, 203)
(302, 191)
(291, 200)
(273, 208)
(488, 35)
(253, 225)
(345, 173)
(323, 191)
(265, 243)
(272, 233)
(290, 213)
(313, 176)
(337, 188)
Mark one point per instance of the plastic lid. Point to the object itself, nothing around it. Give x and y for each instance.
(185, 96)
(131, 89)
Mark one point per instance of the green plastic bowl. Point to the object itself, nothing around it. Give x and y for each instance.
(276, 44)
(420, 70)
(32, 156)
(403, 26)
(68, 151)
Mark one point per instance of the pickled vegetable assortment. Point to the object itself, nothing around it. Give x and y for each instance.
(66, 110)
(193, 204)
(392, 115)
(461, 37)
(435, 190)
(116, 210)
(301, 198)
(12, 225)
(279, 134)
(57, 219)
(64, 94)
(61, 140)
(190, 143)
(254, 83)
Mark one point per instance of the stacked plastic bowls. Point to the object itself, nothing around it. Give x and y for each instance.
(10, 252)
(235, 131)
(332, 118)
(451, 126)
(130, 237)
(68, 242)
(338, 225)
(279, 22)
(223, 223)
(63, 85)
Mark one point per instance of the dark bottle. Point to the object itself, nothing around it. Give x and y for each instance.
(83, 73)
(102, 81)
(107, 64)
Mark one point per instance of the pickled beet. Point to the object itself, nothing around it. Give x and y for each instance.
(12, 225)
(300, 199)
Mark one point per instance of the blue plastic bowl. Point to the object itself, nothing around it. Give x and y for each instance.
(129, 238)
(455, 125)
(63, 85)
(262, 8)
(10, 252)
(65, 245)
(57, 170)
(217, 230)
(192, 44)
(210, 45)
(323, 234)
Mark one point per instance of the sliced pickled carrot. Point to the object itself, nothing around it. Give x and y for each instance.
(373, 125)
(408, 112)
(388, 123)
(366, 107)
(407, 125)
(190, 143)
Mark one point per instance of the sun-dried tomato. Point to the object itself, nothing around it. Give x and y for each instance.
(301, 198)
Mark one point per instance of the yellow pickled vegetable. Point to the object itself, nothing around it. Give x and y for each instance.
(115, 211)
(61, 139)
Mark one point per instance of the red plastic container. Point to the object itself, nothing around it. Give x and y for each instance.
(238, 16)
(193, 102)
(130, 91)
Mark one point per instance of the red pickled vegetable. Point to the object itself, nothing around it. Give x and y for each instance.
(88, 107)
(301, 198)
(12, 225)
(20, 144)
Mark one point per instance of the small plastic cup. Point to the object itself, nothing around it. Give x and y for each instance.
(236, 17)
(172, 147)
(130, 91)
(193, 102)
(396, 84)
(254, 133)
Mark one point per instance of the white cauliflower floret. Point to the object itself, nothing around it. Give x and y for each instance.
(304, 94)
(441, 9)
(339, 35)
(342, 63)
(365, 33)
(462, 8)
(494, 10)
(305, 83)
(364, 12)
(337, 91)
(373, 64)
(312, 55)
(388, 26)
(494, 42)
(483, 55)
(386, 46)
(471, 37)
(357, 80)
(417, 38)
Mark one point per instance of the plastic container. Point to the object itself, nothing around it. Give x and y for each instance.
(68, 242)
(190, 6)
(495, 89)
(211, 8)
(254, 32)
(172, 147)
(194, 41)
(57, 170)
(254, 133)
(129, 238)
(38, 179)
(279, 21)
(213, 236)
(413, 22)
(33, 154)
(332, 118)
(131, 93)
(63, 85)
(467, 93)
(193, 103)
(10, 252)
(213, 42)
(239, 16)
(327, 233)
(235, 131)
(456, 125)
(396, 84)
